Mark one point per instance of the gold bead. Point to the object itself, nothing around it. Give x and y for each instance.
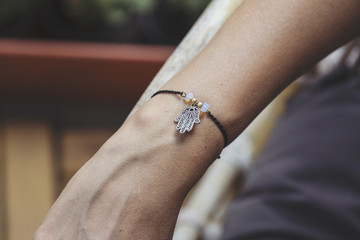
(193, 100)
(199, 104)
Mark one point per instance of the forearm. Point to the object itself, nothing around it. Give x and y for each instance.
(262, 48)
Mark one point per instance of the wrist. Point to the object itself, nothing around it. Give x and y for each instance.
(151, 137)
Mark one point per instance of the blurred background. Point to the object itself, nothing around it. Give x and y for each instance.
(70, 72)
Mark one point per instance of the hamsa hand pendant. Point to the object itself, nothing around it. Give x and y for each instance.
(187, 118)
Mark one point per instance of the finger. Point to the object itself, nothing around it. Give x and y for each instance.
(180, 125)
(197, 117)
(191, 124)
(184, 125)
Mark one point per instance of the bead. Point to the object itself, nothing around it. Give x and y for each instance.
(205, 107)
(199, 104)
(193, 100)
(189, 96)
(183, 94)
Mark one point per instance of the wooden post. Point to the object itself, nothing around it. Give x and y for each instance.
(3, 213)
(78, 146)
(29, 179)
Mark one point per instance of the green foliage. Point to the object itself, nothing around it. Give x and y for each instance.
(83, 13)
(86, 13)
(192, 7)
(10, 10)
(117, 12)
(91, 13)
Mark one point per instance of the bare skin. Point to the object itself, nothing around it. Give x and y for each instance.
(134, 186)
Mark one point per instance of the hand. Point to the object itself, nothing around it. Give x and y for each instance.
(131, 188)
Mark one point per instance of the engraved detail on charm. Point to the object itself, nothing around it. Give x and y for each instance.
(187, 118)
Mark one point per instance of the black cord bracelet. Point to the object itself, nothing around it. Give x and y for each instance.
(190, 115)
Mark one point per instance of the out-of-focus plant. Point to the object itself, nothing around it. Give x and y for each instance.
(12, 10)
(173, 19)
(117, 12)
(81, 13)
(192, 7)
(89, 13)
(152, 21)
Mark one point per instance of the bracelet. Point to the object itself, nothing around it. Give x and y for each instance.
(191, 115)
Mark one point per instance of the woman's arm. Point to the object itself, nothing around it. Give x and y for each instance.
(134, 186)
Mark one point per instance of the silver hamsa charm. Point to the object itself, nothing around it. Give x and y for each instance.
(186, 120)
